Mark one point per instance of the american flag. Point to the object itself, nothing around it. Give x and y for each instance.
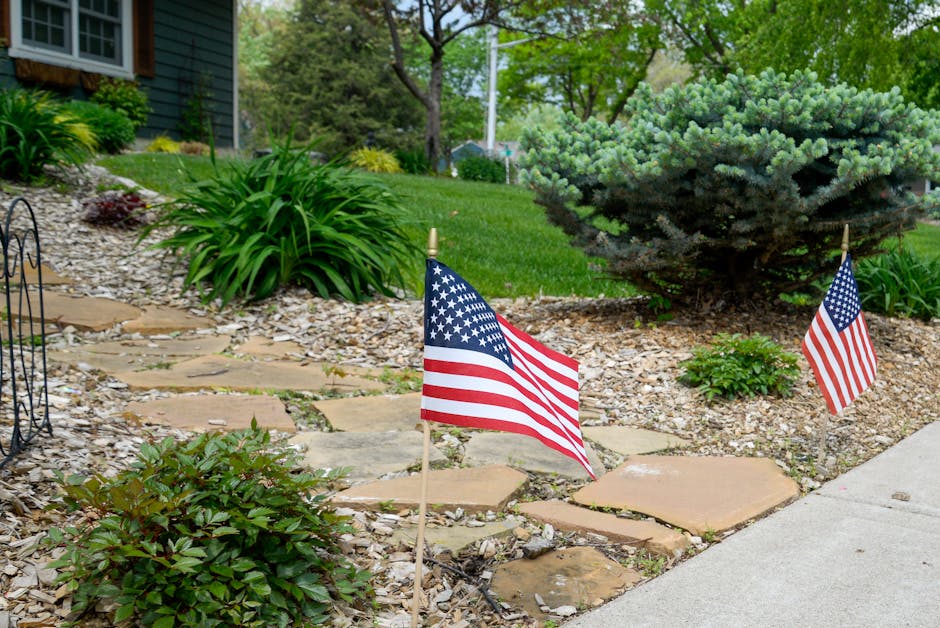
(480, 371)
(837, 344)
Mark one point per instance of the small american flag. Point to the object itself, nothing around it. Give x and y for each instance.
(480, 371)
(837, 344)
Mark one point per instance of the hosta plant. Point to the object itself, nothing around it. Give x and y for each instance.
(218, 531)
(36, 131)
(739, 366)
(282, 220)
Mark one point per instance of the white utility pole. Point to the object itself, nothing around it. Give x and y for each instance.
(493, 47)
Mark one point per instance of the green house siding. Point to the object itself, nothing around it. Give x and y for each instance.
(193, 56)
(193, 53)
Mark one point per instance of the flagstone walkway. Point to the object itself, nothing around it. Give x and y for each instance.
(656, 502)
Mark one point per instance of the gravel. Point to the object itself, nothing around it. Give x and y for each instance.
(630, 364)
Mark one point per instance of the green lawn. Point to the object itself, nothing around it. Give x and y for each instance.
(493, 235)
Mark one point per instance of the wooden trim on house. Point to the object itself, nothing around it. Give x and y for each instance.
(5, 22)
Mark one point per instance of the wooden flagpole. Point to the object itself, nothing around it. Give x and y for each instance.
(824, 428)
(423, 504)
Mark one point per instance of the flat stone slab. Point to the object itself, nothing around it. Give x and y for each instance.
(214, 412)
(85, 313)
(49, 276)
(367, 455)
(698, 494)
(219, 371)
(647, 534)
(261, 347)
(372, 414)
(525, 452)
(159, 319)
(112, 363)
(630, 441)
(455, 538)
(181, 346)
(575, 576)
(475, 490)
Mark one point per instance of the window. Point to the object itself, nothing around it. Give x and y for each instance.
(91, 35)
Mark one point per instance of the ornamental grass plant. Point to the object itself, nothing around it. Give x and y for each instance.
(900, 283)
(35, 132)
(283, 220)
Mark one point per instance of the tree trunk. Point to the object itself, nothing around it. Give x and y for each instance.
(432, 133)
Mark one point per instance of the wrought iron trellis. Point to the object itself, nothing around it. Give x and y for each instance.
(24, 398)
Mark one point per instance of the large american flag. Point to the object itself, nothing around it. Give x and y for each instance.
(480, 371)
(837, 344)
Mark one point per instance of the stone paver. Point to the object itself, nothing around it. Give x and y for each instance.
(367, 455)
(261, 347)
(112, 363)
(159, 319)
(214, 412)
(648, 534)
(698, 494)
(475, 490)
(372, 414)
(455, 538)
(526, 453)
(573, 577)
(49, 276)
(631, 440)
(84, 313)
(181, 346)
(218, 371)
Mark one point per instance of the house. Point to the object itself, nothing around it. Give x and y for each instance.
(183, 53)
(477, 148)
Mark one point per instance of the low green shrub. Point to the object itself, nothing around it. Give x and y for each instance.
(738, 366)
(35, 131)
(217, 531)
(481, 169)
(374, 160)
(413, 161)
(124, 210)
(163, 144)
(113, 130)
(281, 219)
(124, 97)
(900, 283)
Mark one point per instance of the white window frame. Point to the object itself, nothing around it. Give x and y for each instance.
(72, 60)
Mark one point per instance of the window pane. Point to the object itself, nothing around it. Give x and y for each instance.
(45, 24)
(99, 39)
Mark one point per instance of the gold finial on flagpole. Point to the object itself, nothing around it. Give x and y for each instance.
(432, 243)
(845, 241)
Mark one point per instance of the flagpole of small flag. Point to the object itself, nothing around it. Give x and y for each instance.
(423, 503)
(824, 427)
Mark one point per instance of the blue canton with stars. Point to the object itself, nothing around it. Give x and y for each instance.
(842, 297)
(457, 317)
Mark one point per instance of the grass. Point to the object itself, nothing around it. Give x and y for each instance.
(924, 240)
(493, 235)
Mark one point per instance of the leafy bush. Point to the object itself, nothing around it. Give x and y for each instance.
(413, 161)
(113, 131)
(900, 283)
(163, 144)
(481, 169)
(281, 219)
(218, 531)
(736, 189)
(735, 366)
(374, 160)
(124, 97)
(124, 210)
(35, 132)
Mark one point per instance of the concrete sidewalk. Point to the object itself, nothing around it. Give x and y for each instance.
(850, 554)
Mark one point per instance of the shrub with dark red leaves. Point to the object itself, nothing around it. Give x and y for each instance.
(124, 210)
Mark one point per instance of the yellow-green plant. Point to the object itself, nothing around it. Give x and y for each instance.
(374, 160)
(163, 144)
